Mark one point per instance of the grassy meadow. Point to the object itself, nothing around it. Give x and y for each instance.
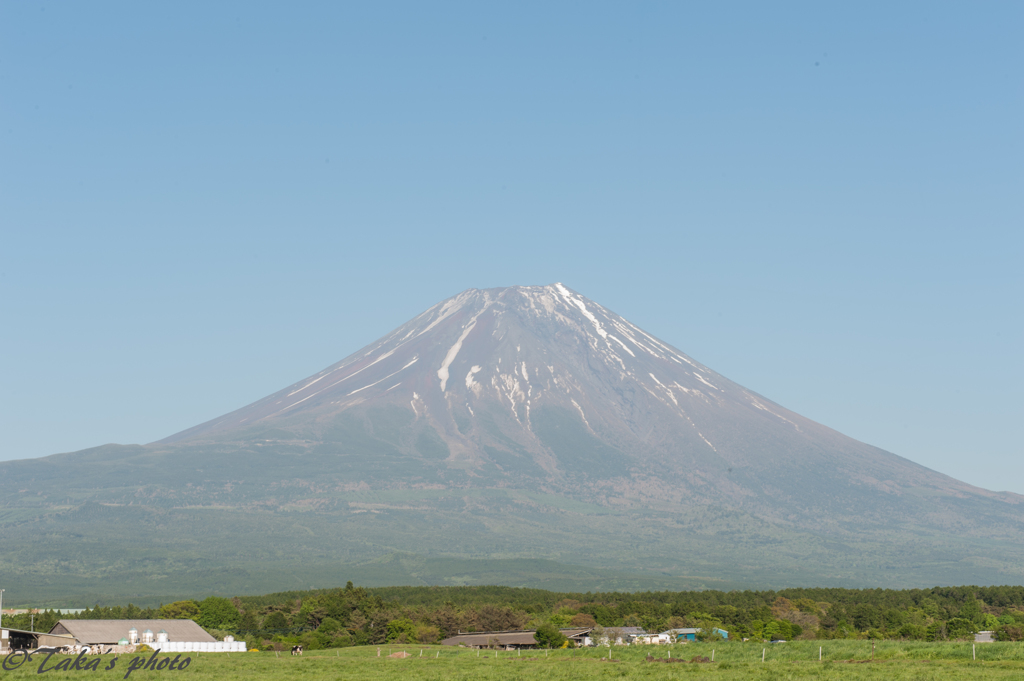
(795, 660)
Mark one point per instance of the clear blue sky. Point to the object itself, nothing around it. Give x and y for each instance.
(201, 203)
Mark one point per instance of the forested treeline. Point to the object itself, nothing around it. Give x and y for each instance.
(359, 616)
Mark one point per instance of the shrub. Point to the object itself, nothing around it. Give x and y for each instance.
(915, 632)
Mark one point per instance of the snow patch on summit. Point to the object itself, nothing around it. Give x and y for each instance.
(472, 384)
(453, 351)
(583, 308)
(414, 360)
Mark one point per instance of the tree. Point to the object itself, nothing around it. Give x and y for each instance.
(330, 626)
(560, 621)
(310, 614)
(960, 627)
(179, 610)
(496, 618)
(446, 619)
(548, 636)
(275, 622)
(217, 613)
(427, 633)
(583, 620)
(401, 630)
(248, 622)
(915, 632)
(602, 613)
(1010, 632)
(971, 610)
(894, 619)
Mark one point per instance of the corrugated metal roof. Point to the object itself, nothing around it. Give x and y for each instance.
(504, 638)
(33, 633)
(109, 632)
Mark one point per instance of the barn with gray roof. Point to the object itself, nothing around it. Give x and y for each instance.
(111, 632)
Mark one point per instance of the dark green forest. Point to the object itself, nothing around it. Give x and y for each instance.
(341, 617)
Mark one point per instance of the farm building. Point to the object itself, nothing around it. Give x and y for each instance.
(653, 639)
(690, 634)
(16, 639)
(131, 632)
(619, 636)
(509, 640)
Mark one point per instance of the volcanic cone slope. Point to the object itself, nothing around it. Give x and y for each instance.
(525, 423)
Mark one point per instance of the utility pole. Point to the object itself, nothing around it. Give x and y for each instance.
(1, 606)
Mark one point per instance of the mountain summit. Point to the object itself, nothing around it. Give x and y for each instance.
(541, 383)
(530, 422)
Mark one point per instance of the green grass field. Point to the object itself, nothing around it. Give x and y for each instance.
(799, 660)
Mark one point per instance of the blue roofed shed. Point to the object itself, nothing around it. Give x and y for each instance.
(690, 633)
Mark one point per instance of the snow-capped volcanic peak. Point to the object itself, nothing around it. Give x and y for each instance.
(517, 347)
(533, 376)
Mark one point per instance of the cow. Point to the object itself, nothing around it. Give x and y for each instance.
(296, 650)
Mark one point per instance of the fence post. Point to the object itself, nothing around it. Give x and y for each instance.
(974, 651)
(712, 654)
(819, 653)
(762, 654)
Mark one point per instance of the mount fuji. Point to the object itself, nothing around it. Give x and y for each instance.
(524, 435)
